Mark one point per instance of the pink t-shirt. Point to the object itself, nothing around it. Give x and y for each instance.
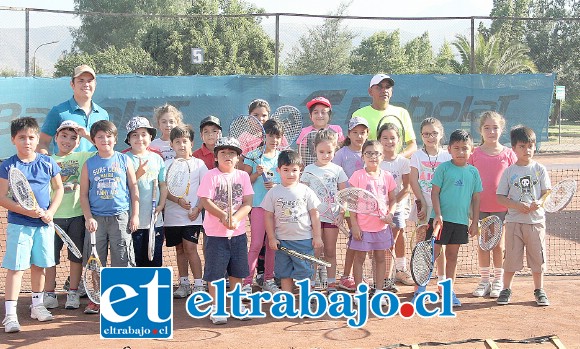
(306, 130)
(380, 186)
(490, 169)
(214, 187)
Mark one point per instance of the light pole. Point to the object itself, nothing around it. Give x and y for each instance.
(34, 55)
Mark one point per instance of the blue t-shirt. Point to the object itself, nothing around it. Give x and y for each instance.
(270, 172)
(39, 173)
(458, 184)
(108, 189)
(70, 110)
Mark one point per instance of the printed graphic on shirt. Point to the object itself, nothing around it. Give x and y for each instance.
(107, 181)
(69, 174)
(525, 184)
(220, 198)
(291, 210)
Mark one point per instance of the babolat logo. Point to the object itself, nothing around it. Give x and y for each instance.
(356, 309)
(136, 303)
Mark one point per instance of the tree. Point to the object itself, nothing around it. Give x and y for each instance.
(419, 55)
(132, 60)
(511, 31)
(491, 58)
(99, 32)
(380, 52)
(324, 50)
(445, 60)
(232, 45)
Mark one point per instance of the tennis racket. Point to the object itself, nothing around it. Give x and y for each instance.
(178, 177)
(151, 241)
(230, 207)
(249, 131)
(92, 273)
(397, 121)
(307, 150)
(423, 259)
(291, 121)
(304, 256)
(559, 196)
(224, 200)
(328, 207)
(490, 231)
(23, 194)
(420, 231)
(360, 201)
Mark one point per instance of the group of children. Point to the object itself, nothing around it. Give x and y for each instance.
(110, 193)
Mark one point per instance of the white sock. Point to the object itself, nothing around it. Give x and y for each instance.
(197, 282)
(401, 263)
(184, 280)
(37, 298)
(484, 272)
(10, 307)
(498, 274)
(441, 278)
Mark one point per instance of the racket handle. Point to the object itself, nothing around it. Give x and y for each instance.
(93, 238)
(265, 178)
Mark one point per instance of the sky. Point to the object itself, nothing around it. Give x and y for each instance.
(381, 8)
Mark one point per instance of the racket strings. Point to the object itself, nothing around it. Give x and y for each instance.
(178, 178)
(358, 200)
(248, 131)
(560, 196)
(21, 190)
(92, 280)
(421, 263)
(491, 232)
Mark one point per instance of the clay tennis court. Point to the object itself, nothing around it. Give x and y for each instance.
(521, 324)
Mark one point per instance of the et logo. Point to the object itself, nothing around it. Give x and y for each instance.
(136, 303)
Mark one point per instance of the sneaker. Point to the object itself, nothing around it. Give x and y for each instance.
(404, 277)
(218, 320)
(270, 286)
(482, 290)
(496, 288)
(390, 286)
(73, 300)
(259, 280)
(198, 288)
(331, 288)
(418, 291)
(50, 300)
(40, 313)
(11, 323)
(323, 277)
(455, 300)
(243, 309)
(504, 296)
(347, 283)
(247, 288)
(182, 291)
(81, 291)
(541, 297)
(92, 308)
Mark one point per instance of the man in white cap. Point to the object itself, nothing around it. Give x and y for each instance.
(80, 109)
(381, 91)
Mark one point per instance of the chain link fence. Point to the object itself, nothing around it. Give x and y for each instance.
(32, 41)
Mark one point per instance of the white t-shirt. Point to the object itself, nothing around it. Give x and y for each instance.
(331, 175)
(398, 167)
(164, 147)
(175, 215)
(426, 165)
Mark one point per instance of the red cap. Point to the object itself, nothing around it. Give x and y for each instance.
(319, 100)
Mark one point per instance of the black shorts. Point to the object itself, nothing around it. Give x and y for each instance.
(451, 234)
(75, 228)
(175, 235)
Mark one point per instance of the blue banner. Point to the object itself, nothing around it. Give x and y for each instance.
(457, 100)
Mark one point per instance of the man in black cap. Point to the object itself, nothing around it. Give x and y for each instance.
(210, 129)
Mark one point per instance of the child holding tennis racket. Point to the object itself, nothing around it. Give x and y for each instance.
(29, 239)
(210, 129)
(268, 161)
(110, 201)
(398, 166)
(334, 178)
(455, 191)
(149, 171)
(491, 158)
(520, 187)
(292, 221)
(320, 111)
(423, 164)
(226, 195)
(69, 215)
(373, 233)
(167, 117)
(349, 157)
(182, 216)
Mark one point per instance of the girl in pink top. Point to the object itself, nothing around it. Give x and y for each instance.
(320, 111)
(372, 233)
(491, 158)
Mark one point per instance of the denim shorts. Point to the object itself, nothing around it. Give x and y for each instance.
(141, 248)
(291, 267)
(26, 245)
(399, 219)
(75, 228)
(226, 255)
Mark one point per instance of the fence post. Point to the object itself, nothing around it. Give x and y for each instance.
(27, 43)
(472, 51)
(277, 53)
